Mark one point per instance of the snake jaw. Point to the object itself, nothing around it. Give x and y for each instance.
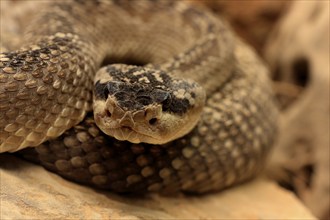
(150, 125)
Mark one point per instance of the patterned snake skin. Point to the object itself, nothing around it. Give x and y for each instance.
(46, 90)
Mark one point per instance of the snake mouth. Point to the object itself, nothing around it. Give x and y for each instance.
(126, 133)
(124, 128)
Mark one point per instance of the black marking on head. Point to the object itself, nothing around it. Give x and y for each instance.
(132, 93)
(137, 96)
(101, 90)
(112, 87)
(134, 97)
(119, 75)
(178, 106)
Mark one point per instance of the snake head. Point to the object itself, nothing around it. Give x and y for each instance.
(141, 104)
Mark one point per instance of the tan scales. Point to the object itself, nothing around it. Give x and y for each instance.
(46, 89)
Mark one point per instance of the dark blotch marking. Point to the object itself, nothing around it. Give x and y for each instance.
(16, 62)
(179, 106)
(112, 87)
(134, 95)
(118, 75)
(101, 90)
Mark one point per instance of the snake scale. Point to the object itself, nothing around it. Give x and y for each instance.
(197, 115)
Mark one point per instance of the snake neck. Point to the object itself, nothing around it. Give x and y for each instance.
(138, 30)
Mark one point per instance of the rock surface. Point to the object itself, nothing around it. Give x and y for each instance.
(30, 192)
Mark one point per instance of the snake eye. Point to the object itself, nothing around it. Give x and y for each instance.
(152, 121)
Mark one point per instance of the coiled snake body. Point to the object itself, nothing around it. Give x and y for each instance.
(175, 143)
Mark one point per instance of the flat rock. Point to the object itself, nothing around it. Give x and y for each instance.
(30, 192)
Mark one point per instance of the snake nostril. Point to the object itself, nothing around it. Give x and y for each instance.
(152, 121)
(108, 113)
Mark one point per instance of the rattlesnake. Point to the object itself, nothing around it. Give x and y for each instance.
(191, 57)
